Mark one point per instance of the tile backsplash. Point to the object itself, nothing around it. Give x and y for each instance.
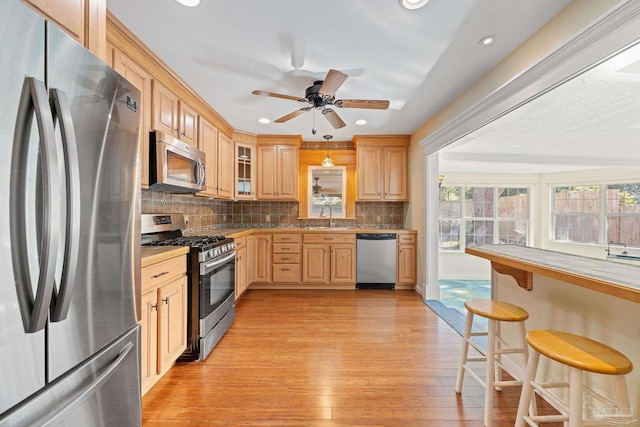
(204, 213)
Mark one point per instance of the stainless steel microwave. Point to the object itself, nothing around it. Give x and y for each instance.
(174, 165)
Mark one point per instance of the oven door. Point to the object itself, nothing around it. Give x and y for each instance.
(217, 283)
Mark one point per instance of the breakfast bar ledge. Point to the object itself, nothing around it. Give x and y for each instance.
(521, 262)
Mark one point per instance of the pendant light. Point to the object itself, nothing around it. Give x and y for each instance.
(327, 162)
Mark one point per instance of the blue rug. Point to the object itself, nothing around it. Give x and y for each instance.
(455, 319)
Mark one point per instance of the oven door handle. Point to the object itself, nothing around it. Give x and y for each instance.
(206, 268)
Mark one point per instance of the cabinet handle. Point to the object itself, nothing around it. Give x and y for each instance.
(165, 300)
(184, 134)
(286, 259)
(154, 306)
(160, 275)
(177, 130)
(285, 238)
(286, 269)
(328, 238)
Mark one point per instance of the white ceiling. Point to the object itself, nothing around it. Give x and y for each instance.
(592, 121)
(419, 60)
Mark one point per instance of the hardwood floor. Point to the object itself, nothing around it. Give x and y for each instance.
(327, 358)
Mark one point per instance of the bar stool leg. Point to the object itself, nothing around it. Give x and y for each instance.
(620, 392)
(491, 372)
(575, 397)
(498, 358)
(465, 351)
(527, 389)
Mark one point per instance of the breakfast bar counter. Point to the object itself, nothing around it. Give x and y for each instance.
(521, 262)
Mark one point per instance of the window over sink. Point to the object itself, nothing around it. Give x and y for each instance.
(327, 191)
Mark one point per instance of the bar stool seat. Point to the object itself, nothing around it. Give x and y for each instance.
(578, 354)
(495, 312)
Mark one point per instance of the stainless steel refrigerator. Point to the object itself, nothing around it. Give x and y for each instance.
(69, 231)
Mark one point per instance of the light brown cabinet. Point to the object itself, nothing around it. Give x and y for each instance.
(219, 160)
(67, 14)
(172, 115)
(406, 272)
(277, 172)
(260, 253)
(329, 258)
(164, 318)
(135, 74)
(245, 171)
(382, 169)
(242, 279)
(286, 258)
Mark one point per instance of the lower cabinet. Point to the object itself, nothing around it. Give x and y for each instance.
(329, 259)
(164, 318)
(286, 258)
(242, 279)
(406, 271)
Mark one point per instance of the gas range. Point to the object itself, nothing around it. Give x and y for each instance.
(211, 275)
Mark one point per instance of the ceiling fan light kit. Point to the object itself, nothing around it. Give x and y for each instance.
(321, 95)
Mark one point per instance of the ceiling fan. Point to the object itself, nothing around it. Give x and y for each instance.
(321, 95)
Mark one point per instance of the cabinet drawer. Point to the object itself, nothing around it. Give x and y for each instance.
(163, 272)
(406, 238)
(329, 238)
(286, 238)
(286, 258)
(286, 273)
(240, 242)
(286, 248)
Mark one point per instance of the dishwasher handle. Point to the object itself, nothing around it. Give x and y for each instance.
(376, 236)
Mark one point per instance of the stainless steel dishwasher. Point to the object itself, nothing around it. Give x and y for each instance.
(376, 260)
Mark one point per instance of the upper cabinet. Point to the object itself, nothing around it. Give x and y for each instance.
(278, 167)
(219, 167)
(84, 20)
(245, 165)
(382, 167)
(137, 75)
(173, 115)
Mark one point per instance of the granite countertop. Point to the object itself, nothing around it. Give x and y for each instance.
(240, 232)
(154, 254)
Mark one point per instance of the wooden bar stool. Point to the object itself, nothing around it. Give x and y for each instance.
(578, 354)
(495, 312)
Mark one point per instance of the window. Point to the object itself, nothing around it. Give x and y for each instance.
(327, 194)
(586, 214)
(485, 215)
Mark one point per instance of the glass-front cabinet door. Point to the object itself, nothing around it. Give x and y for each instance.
(245, 171)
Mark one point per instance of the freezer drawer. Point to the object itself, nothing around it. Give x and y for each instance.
(103, 391)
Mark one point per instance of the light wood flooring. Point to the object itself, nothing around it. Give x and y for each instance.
(327, 358)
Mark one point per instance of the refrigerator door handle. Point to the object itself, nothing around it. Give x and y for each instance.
(75, 401)
(62, 298)
(34, 311)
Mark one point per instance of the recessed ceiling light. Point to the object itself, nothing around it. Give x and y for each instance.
(413, 4)
(487, 40)
(361, 122)
(190, 3)
(264, 120)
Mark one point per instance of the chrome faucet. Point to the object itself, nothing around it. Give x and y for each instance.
(327, 205)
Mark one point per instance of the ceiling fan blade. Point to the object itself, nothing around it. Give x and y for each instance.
(278, 95)
(332, 83)
(371, 104)
(292, 115)
(333, 118)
